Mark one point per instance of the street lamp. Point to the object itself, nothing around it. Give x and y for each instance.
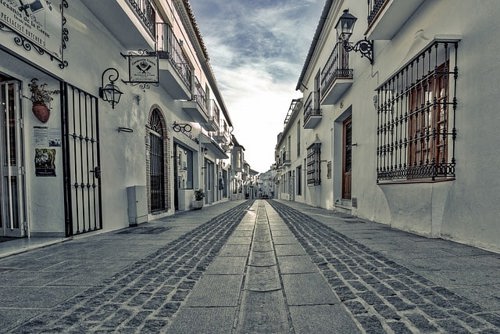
(345, 27)
(110, 92)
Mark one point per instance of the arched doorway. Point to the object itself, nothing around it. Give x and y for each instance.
(157, 174)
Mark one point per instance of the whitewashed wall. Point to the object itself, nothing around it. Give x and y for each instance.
(90, 50)
(466, 209)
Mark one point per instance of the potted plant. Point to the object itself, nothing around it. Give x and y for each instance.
(41, 98)
(199, 195)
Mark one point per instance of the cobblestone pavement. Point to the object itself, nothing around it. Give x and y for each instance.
(259, 267)
(383, 296)
(143, 297)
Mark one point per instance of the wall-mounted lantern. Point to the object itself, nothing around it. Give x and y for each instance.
(110, 92)
(345, 27)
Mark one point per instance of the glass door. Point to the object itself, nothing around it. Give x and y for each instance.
(12, 206)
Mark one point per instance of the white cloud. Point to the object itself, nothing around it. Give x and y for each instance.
(257, 49)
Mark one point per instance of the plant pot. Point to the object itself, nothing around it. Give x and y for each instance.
(41, 111)
(197, 205)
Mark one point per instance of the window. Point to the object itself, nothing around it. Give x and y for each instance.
(427, 121)
(298, 139)
(314, 164)
(288, 149)
(416, 118)
(298, 174)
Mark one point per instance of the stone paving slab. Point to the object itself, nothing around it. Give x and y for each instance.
(263, 313)
(263, 279)
(238, 240)
(203, 320)
(228, 265)
(35, 297)
(235, 250)
(262, 259)
(11, 317)
(284, 250)
(216, 290)
(265, 246)
(322, 319)
(300, 264)
(282, 233)
(242, 233)
(285, 240)
(308, 289)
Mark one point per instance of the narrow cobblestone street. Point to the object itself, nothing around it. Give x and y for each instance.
(247, 267)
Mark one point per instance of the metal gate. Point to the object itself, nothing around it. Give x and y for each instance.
(157, 164)
(81, 158)
(12, 182)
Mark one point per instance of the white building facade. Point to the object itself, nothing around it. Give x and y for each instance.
(95, 165)
(402, 129)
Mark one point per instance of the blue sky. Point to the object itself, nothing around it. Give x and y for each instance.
(257, 49)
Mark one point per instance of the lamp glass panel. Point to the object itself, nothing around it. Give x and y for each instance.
(108, 92)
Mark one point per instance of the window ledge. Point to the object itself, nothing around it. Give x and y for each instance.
(412, 181)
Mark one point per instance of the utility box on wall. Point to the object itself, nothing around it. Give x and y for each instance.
(137, 205)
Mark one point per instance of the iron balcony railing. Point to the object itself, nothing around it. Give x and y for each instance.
(199, 96)
(168, 47)
(215, 112)
(374, 8)
(145, 10)
(286, 158)
(310, 109)
(337, 67)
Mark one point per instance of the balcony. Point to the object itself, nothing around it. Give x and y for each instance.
(197, 106)
(312, 113)
(213, 147)
(222, 136)
(213, 118)
(176, 74)
(386, 17)
(286, 159)
(132, 22)
(336, 76)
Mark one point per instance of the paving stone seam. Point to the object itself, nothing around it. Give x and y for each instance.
(165, 277)
(385, 296)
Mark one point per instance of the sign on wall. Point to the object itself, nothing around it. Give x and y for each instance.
(143, 68)
(38, 24)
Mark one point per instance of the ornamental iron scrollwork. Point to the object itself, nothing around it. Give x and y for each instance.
(28, 45)
(182, 127)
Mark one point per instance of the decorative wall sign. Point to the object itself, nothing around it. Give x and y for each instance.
(38, 24)
(143, 68)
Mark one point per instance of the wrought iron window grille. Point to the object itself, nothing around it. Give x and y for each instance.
(416, 108)
(314, 164)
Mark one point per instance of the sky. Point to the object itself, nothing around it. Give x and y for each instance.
(257, 49)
